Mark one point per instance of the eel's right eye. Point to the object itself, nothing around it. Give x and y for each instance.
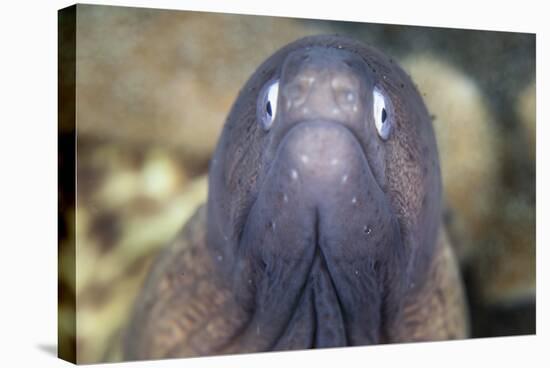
(267, 104)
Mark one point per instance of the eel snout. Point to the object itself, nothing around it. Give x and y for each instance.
(324, 233)
(326, 88)
(324, 157)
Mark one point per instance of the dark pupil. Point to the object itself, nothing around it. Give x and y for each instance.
(268, 108)
(384, 115)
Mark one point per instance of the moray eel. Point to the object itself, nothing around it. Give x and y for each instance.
(323, 221)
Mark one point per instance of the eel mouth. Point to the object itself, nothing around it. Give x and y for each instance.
(318, 319)
(314, 240)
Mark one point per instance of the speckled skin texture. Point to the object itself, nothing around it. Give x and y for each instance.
(317, 232)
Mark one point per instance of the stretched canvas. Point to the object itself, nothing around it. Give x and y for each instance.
(237, 184)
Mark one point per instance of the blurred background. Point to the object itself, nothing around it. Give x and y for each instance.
(153, 88)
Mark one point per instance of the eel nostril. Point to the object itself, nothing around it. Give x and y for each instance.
(341, 81)
(345, 93)
(346, 99)
(297, 91)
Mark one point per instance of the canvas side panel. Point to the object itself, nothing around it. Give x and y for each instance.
(66, 338)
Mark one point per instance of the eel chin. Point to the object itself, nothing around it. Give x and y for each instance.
(319, 243)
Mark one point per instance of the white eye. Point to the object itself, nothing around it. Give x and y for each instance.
(267, 104)
(381, 113)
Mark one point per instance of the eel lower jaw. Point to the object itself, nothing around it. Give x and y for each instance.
(313, 244)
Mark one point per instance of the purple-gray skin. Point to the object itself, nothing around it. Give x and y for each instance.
(323, 222)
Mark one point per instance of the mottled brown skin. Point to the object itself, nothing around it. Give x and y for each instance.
(317, 232)
(436, 310)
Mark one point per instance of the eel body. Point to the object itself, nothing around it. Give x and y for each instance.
(323, 221)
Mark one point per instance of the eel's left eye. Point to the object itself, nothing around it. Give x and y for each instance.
(267, 104)
(382, 113)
